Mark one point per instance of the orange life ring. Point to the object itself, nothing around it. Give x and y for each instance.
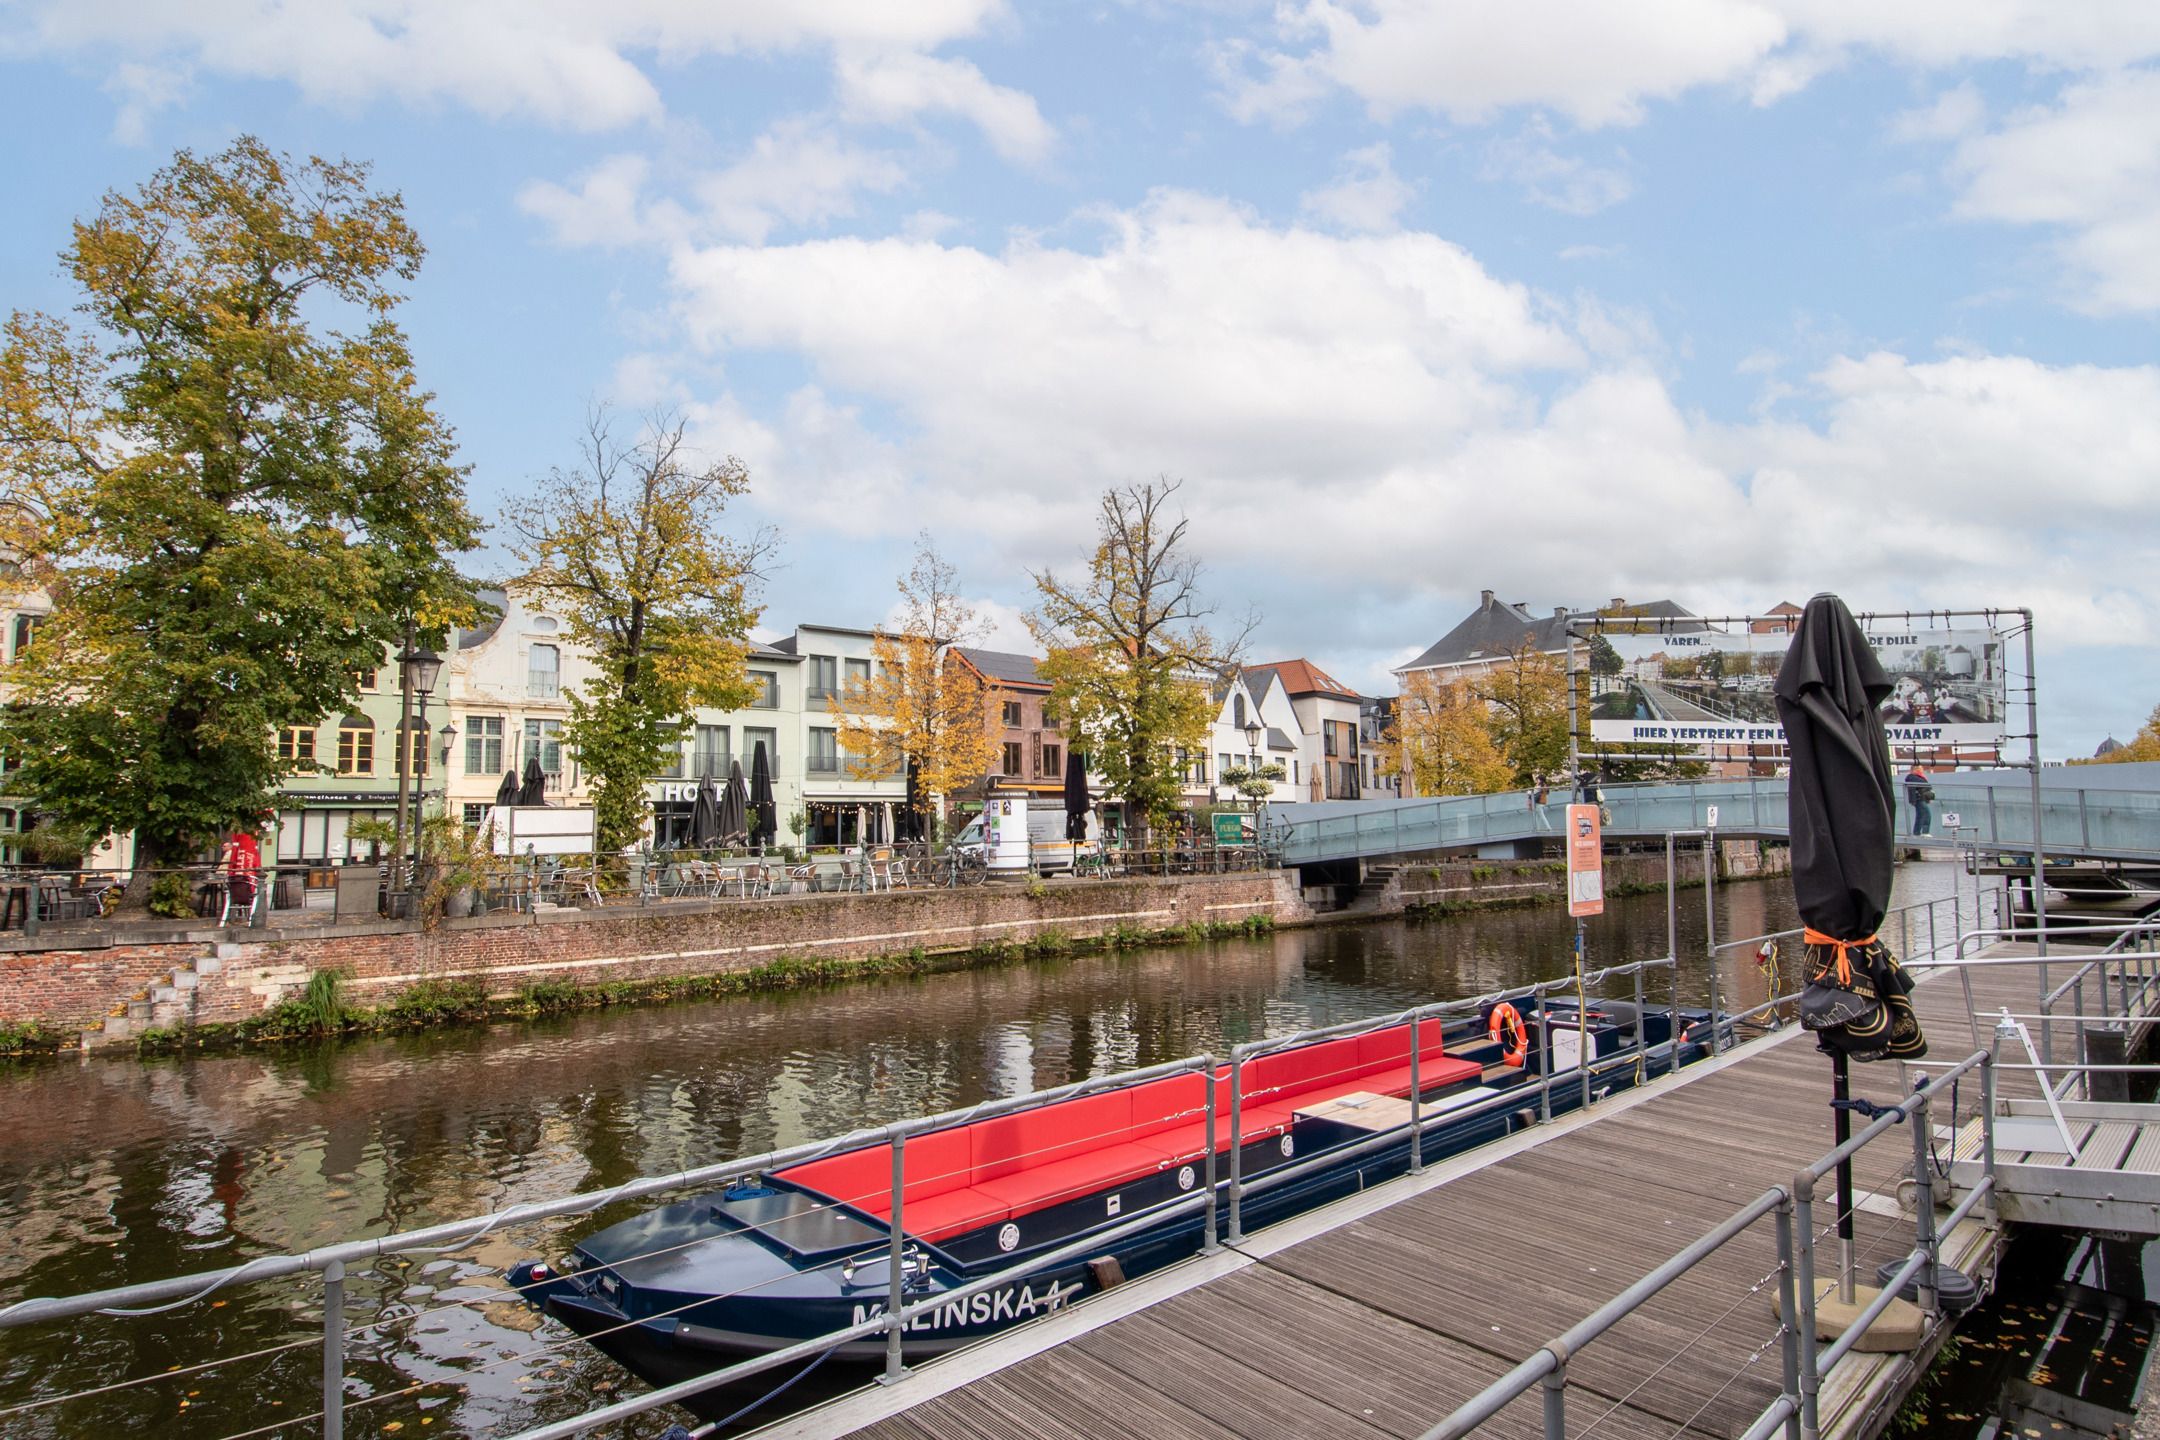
(1507, 1027)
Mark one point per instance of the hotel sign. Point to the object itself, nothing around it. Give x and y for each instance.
(1705, 690)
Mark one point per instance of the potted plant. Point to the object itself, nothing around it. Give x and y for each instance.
(454, 861)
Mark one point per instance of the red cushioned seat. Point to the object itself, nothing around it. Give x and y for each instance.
(1385, 1049)
(1170, 1104)
(1189, 1142)
(937, 1163)
(1433, 1072)
(955, 1212)
(1042, 1186)
(1031, 1138)
(1285, 1074)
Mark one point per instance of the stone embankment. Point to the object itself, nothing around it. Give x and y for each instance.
(112, 983)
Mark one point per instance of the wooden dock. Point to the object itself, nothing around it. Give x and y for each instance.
(1381, 1314)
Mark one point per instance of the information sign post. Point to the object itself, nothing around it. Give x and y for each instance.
(1585, 861)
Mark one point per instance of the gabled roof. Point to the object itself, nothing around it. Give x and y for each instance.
(1494, 628)
(1302, 677)
(1003, 667)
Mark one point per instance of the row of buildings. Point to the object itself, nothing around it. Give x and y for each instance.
(502, 699)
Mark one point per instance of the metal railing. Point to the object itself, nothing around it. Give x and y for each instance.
(1793, 1206)
(1996, 818)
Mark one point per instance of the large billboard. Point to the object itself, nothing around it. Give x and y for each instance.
(1713, 688)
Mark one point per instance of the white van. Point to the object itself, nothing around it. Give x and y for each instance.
(1048, 849)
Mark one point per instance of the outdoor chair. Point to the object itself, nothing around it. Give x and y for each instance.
(804, 875)
(880, 869)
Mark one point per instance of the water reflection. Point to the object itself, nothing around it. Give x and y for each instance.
(118, 1170)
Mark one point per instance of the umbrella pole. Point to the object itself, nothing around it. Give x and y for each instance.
(1842, 1131)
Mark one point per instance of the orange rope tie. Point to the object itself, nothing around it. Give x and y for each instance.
(1810, 935)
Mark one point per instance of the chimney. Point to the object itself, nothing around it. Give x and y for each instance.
(1616, 603)
(1558, 611)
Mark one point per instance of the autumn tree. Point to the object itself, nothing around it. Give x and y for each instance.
(1527, 713)
(1441, 739)
(1130, 659)
(914, 708)
(230, 485)
(2145, 745)
(628, 544)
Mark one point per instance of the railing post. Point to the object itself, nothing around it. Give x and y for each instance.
(1544, 1042)
(1924, 1202)
(1209, 1243)
(1804, 1284)
(1237, 1147)
(1641, 1028)
(1987, 1126)
(1556, 1403)
(1788, 1315)
(1709, 880)
(333, 1351)
(1672, 908)
(1417, 1137)
(896, 1263)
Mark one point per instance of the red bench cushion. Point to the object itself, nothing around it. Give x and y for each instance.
(1042, 1186)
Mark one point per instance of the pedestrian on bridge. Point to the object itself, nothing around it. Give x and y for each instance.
(1920, 794)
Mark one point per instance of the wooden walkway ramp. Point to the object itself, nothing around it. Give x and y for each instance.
(1379, 1315)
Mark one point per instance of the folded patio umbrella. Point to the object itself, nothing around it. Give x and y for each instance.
(705, 816)
(734, 807)
(534, 790)
(1077, 799)
(507, 792)
(764, 820)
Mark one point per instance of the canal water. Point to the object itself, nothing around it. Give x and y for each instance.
(117, 1170)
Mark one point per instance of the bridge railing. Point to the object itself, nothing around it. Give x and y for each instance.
(1998, 818)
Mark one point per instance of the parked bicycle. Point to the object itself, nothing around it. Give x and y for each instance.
(957, 867)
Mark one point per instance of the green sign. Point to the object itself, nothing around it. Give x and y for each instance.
(1229, 828)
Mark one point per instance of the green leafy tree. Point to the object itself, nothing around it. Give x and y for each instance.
(1130, 659)
(628, 544)
(228, 483)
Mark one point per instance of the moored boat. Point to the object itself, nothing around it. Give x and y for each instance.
(1015, 1198)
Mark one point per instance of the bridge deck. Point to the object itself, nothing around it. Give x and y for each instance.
(1381, 1314)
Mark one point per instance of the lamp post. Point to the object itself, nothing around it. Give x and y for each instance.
(1252, 770)
(418, 667)
(448, 736)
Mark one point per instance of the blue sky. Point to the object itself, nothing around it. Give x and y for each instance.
(1728, 300)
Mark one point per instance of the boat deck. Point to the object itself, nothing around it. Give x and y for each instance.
(1382, 1313)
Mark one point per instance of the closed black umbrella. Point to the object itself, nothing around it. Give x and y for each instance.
(1076, 797)
(1842, 813)
(764, 818)
(507, 792)
(734, 807)
(911, 806)
(705, 816)
(534, 790)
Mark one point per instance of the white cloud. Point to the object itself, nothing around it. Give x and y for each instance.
(142, 91)
(797, 174)
(1372, 413)
(1599, 63)
(1546, 177)
(2088, 165)
(896, 87)
(562, 62)
(1958, 111)
(1366, 194)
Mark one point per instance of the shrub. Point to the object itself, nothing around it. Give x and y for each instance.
(170, 896)
(433, 1001)
(324, 1000)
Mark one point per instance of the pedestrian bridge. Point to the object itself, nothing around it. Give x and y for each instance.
(2108, 812)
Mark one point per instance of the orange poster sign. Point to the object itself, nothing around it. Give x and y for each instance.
(1585, 861)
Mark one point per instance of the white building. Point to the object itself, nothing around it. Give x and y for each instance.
(839, 806)
(508, 684)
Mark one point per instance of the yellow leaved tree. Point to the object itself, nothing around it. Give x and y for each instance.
(1442, 739)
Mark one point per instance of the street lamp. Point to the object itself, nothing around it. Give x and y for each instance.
(418, 668)
(1252, 769)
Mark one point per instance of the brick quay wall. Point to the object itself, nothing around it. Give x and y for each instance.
(197, 976)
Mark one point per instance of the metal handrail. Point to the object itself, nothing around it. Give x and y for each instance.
(1794, 1407)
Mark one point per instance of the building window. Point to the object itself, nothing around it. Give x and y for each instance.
(1293, 772)
(751, 740)
(483, 744)
(543, 672)
(1012, 758)
(1053, 760)
(711, 753)
(1222, 763)
(474, 814)
(764, 690)
(296, 745)
(363, 678)
(824, 672)
(355, 746)
(824, 751)
(858, 676)
(416, 747)
(25, 632)
(1009, 712)
(543, 741)
(1237, 708)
